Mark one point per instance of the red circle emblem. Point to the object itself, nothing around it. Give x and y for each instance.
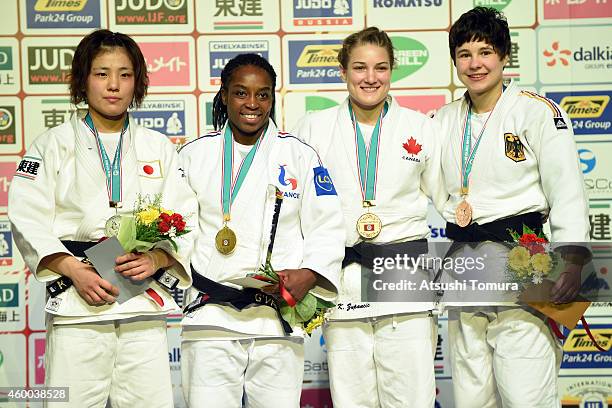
(148, 169)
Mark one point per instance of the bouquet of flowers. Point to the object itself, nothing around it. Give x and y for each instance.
(309, 311)
(149, 224)
(532, 259)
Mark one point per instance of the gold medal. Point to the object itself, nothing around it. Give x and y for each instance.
(225, 240)
(369, 225)
(463, 214)
(111, 228)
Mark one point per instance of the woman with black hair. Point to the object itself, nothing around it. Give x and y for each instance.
(71, 185)
(235, 347)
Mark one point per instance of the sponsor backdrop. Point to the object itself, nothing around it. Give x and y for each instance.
(560, 48)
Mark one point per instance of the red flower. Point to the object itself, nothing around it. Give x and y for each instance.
(180, 226)
(527, 239)
(176, 217)
(165, 218)
(163, 227)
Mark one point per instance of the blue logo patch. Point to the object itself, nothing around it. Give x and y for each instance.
(323, 182)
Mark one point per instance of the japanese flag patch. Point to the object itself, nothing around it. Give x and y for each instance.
(150, 169)
(28, 167)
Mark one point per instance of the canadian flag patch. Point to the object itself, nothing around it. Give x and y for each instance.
(150, 169)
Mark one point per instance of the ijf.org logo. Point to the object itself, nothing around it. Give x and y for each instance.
(151, 12)
(49, 65)
(287, 181)
(411, 56)
(587, 160)
(322, 12)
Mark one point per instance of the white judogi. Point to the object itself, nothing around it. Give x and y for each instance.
(546, 178)
(310, 235)
(364, 339)
(59, 193)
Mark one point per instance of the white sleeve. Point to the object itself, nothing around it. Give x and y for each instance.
(432, 180)
(178, 196)
(322, 225)
(561, 178)
(31, 205)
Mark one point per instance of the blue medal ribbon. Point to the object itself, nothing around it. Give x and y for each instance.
(112, 171)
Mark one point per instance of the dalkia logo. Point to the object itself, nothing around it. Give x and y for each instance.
(595, 53)
(411, 56)
(60, 5)
(323, 55)
(591, 106)
(557, 54)
(578, 340)
(496, 4)
(317, 103)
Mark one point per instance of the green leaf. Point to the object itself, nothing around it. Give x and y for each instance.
(127, 233)
(289, 314)
(306, 307)
(324, 304)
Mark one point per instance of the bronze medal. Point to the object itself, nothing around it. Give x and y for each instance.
(225, 240)
(369, 225)
(463, 214)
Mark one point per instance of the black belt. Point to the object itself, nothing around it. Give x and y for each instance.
(496, 231)
(78, 248)
(214, 292)
(364, 252)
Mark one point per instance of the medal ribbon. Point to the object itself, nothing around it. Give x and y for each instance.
(230, 189)
(468, 153)
(367, 157)
(111, 171)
